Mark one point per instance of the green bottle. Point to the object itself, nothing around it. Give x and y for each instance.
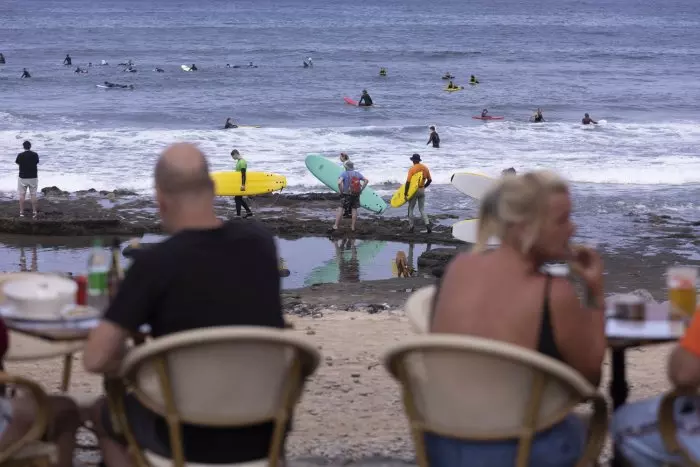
(97, 269)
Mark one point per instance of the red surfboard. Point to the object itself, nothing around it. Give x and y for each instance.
(349, 101)
(479, 117)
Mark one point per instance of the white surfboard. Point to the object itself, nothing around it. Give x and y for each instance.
(467, 231)
(471, 184)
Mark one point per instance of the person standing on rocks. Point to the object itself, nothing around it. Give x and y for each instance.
(419, 197)
(350, 186)
(242, 167)
(28, 178)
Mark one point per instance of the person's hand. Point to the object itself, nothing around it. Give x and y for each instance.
(242, 187)
(587, 263)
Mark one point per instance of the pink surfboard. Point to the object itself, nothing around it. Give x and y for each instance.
(349, 101)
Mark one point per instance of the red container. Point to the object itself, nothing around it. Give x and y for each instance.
(81, 293)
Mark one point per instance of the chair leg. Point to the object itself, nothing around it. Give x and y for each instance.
(67, 368)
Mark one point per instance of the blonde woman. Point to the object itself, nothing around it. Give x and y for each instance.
(503, 295)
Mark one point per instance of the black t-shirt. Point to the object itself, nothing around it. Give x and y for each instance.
(202, 278)
(27, 161)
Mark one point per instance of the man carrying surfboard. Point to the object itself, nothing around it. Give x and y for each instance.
(242, 167)
(350, 186)
(419, 197)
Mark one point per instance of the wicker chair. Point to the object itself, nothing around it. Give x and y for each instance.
(30, 450)
(667, 426)
(180, 377)
(483, 390)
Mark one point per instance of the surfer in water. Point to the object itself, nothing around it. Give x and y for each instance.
(193, 67)
(242, 167)
(229, 124)
(448, 76)
(159, 70)
(382, 72)
(308, 63)
(2, 59)
(434, 138)
(67, 61)
(484, 113)
(473, 80)
(451, 85)
(25, 74)
(538, 117)
(104, 63)
(508, 171)
(119, 86)
(365, 99)
(80, 70)
(587, 120)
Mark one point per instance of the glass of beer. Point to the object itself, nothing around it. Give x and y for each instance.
(681, 282)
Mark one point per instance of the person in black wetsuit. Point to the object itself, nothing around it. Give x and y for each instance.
(229, 124)
(193, 67)
(484, 113)
(365, 99)
(434, 138)
(2, 59)
(25, 74)
(67, 61)
(587, 120)
(538, 117)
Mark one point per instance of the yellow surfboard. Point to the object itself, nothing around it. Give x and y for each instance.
(399, 199)
(257, 183)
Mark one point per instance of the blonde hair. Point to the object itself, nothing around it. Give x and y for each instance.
(517, 199)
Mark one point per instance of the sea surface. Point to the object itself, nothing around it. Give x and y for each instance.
(633, 63)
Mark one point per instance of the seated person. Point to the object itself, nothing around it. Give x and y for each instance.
(229, 124)
(17, 415)
(635, 427)
(451, 85)
(538, 117)
(484, 113)
(193, 67)
(530, 214)
(473, 80)
(365, 99)
(184, 283)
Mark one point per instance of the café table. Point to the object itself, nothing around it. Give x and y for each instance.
(655, 329)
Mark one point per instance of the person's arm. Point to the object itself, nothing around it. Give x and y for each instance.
(365, 182)
(428, 178)
(594, 122)
(37, 158)
(17, 159)
(340, 185)
(243, 177)
(684, 364)
(130, 309)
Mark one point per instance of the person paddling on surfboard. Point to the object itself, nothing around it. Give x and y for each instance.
(229, 124)
(25, 74)
(434, 138)
(242, 167)
(350, 186)
(419, 197)
(485, 113)
(587, 120)
(365, 99)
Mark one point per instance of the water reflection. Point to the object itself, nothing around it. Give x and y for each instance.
(23, 260)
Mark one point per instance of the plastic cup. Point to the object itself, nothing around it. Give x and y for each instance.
(682, 289)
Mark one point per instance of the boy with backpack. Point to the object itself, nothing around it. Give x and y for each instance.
(350, 185)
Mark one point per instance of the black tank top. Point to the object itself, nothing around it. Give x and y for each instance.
(547, 345)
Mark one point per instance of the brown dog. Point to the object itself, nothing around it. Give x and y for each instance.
(403, 269)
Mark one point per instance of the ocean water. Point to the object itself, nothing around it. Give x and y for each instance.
(633, 63)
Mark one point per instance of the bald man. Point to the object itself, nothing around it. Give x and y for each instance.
(208, 273)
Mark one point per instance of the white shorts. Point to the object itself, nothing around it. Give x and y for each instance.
(24, 183)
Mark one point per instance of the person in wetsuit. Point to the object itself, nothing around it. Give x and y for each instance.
(67, 61)
(382, 72)
(242, 167)
(434, 138)
(308, 63)
(229, 124)
(2, 59)
(508, 171)
(159, 70)
(484, 113)
(25, 74)
(447, 76)
(451, 85)
(538, 117)
(365, 99)
(193, 67)
(80, 70)
(587, 120)
(473, 80)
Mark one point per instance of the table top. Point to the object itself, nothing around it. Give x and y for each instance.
(656, 328)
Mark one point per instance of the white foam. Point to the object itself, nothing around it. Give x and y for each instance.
(619, 153)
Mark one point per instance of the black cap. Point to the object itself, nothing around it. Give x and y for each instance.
(415, 158)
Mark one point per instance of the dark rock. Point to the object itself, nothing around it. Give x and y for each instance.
(120, 192)
(53, 191)
(437, 257)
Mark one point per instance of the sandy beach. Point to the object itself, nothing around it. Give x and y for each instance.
(351, 411)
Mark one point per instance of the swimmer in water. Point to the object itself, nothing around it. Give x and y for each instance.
(229, 124)
(587, 120)
(538, 117)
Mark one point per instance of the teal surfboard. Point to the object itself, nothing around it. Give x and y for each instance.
(329, 172)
